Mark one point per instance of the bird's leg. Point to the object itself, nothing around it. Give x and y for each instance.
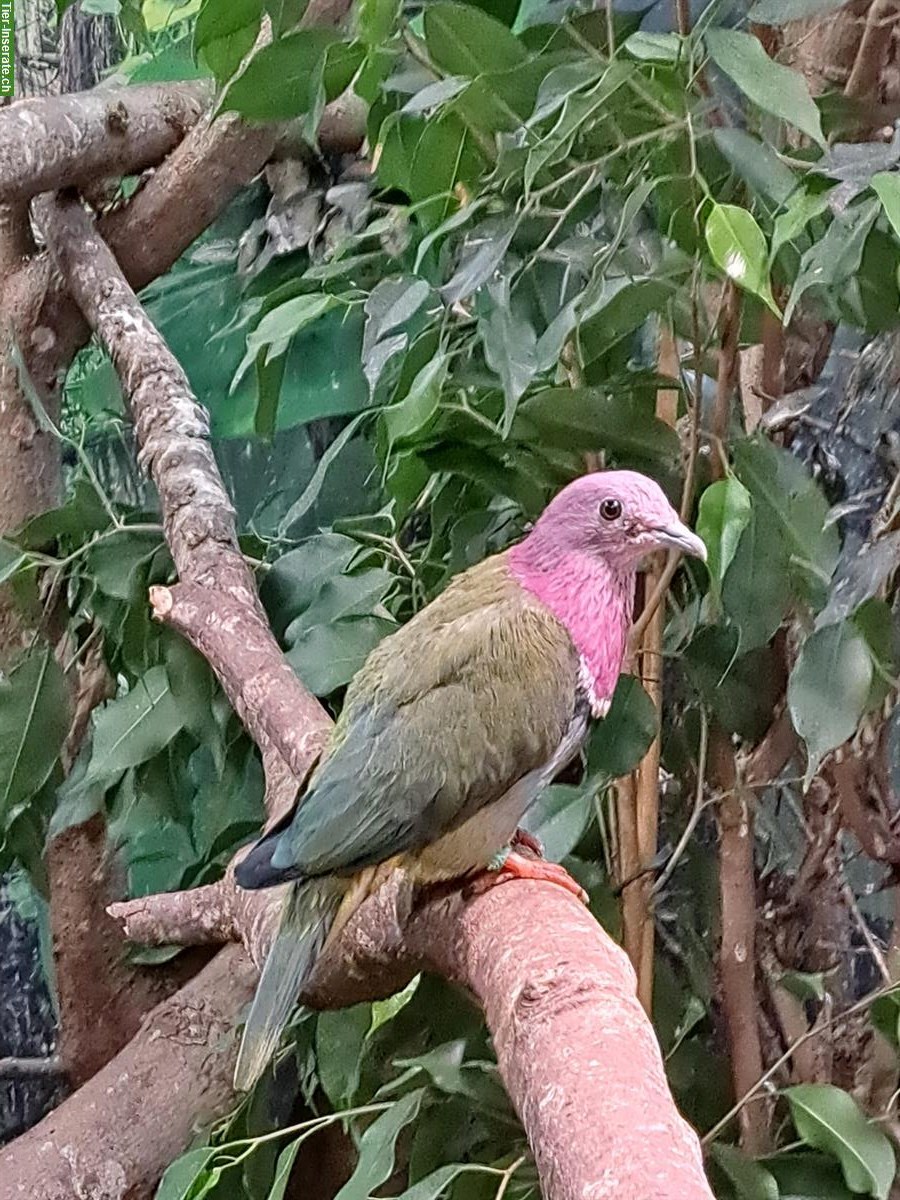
(508, 864)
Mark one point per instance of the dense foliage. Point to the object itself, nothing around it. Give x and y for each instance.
(401, 366)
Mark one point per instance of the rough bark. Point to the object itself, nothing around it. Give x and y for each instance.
(67, 141)
(89, 45)
(112, 1139)
(578, 1055)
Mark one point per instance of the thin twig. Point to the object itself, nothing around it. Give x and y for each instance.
(700, 804)
(776, 1066)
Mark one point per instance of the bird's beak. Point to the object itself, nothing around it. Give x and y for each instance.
(677, 536)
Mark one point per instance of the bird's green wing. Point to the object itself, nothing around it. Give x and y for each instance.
(445, 717)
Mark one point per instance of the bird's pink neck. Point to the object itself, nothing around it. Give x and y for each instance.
(591, 599)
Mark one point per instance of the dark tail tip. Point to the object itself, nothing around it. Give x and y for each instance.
(255, 870)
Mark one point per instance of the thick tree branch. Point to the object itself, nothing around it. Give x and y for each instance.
(70, 141)
(582, 1108)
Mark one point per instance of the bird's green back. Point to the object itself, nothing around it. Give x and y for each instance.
(477, 691)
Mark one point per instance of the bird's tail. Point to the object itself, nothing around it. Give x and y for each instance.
(307, 917)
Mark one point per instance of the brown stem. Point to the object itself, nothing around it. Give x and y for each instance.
(651, 667)
(729, 333)
(737, 953)
(874, 47)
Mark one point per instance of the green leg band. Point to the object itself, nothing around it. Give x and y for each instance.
(498, 862)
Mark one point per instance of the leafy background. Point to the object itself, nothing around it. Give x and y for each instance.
(402, 364)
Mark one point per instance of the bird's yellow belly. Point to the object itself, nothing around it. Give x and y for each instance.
(473, 845)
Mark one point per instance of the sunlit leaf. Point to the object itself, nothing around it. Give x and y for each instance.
(738, 247)
(724, 513)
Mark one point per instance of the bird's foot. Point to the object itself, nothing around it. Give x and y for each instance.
(511, 865)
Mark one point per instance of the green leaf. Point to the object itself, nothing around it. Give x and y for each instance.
(828, 689)
(275, 85)
(183, 1180)
(327, 657)
(808, 1176)
(378, 1147)
(829, 1119)
(780, 12)
(461, 40)
(582, 419)
(12, 560)
(445, 156)
(738, 248)
(286, 1160)
(740, 689)
(375, 20)
(793, 512)
(834, 258)
(804, 985)
(724, 513)
(310, 494)
(345, 595)
(135, 727)
(578, 112)
(801, 208)
(757, 164)
(385, 1010)
(392, 303)
(886, 185)
(560, 816)
(437, 1183)
(623, 737)
(510, 346)
(340, 1037)
(225, 33)
(483, 251)
(750, 1180)
(655, 47)
(775, 89)
(297, 577)
(756, 593)
(420, 403)
(34, 721)
(274, 332)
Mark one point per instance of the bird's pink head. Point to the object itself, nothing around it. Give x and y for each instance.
(617, 516)
(581, 557)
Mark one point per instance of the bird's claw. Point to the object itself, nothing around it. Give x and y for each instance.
(518, 866)
(522, 839)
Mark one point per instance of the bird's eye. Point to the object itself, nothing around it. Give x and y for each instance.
(610, 509)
